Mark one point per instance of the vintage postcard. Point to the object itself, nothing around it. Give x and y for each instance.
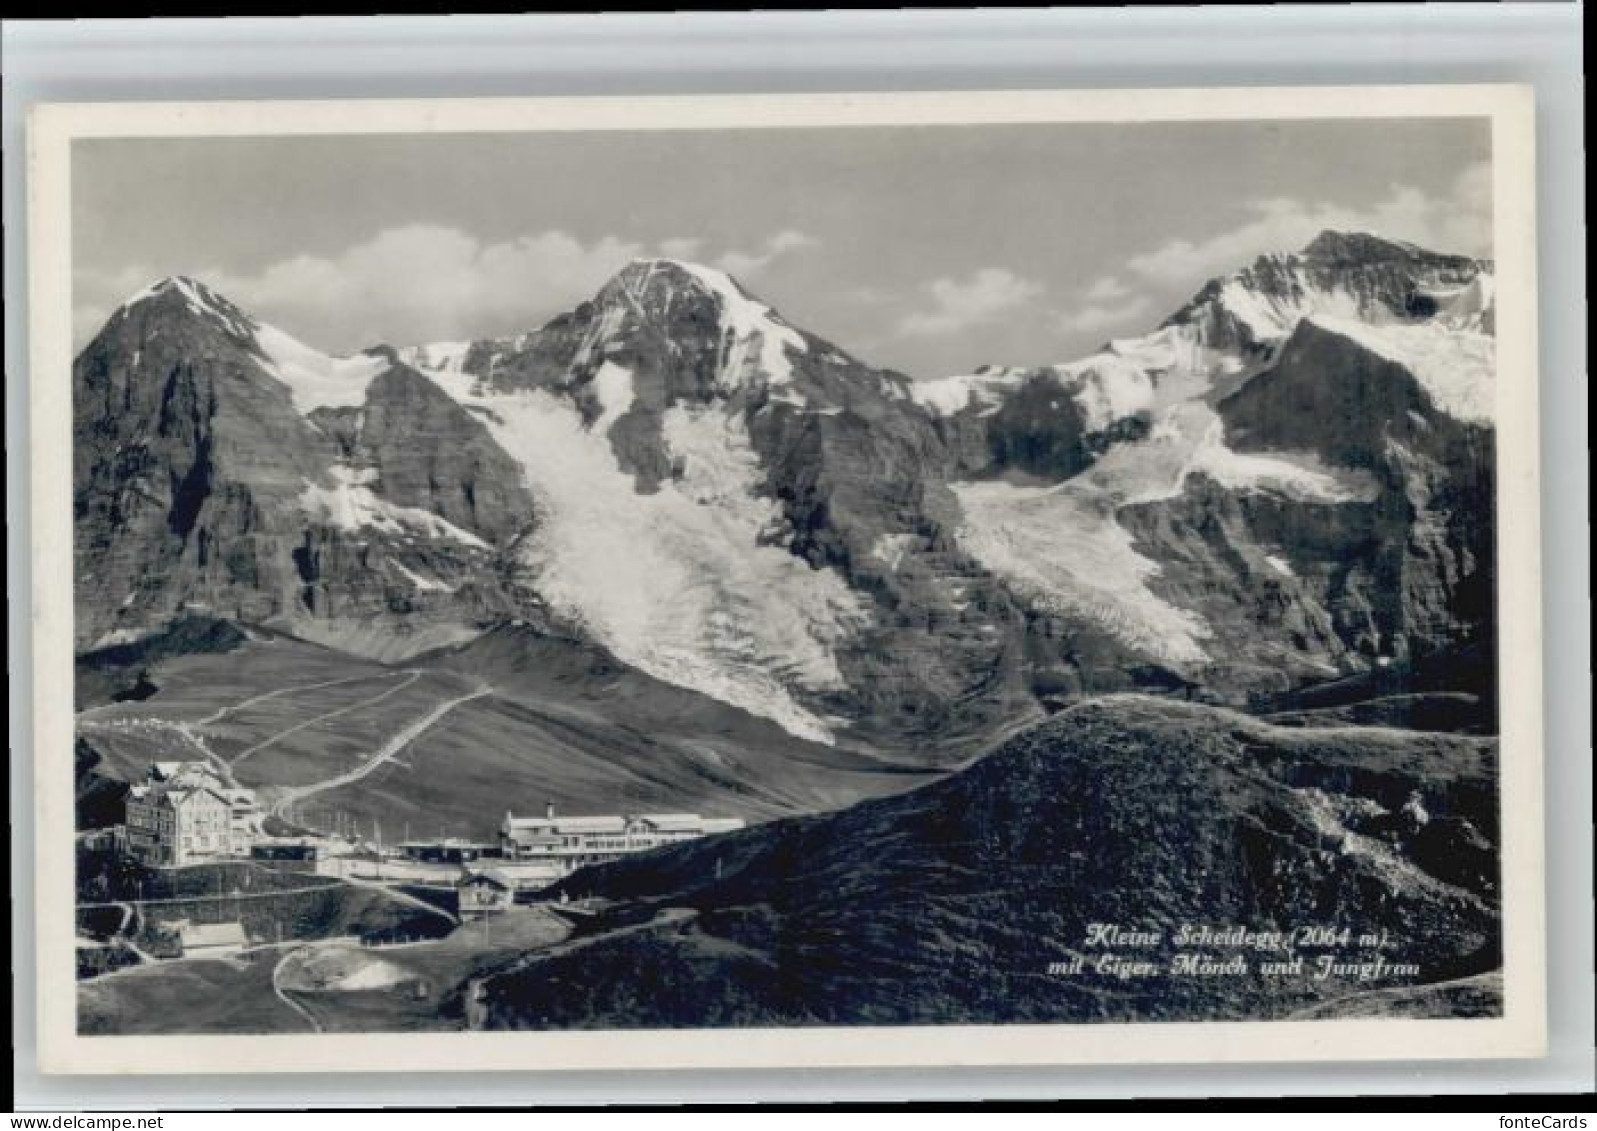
(893, 579)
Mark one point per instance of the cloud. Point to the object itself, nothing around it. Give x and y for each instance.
(746, 264)
(681, 247)
(961, 304)
(418, 283)
(423, 282)
(1107, 288)
(1095, 317)
(1457, 221)
(1106, 302)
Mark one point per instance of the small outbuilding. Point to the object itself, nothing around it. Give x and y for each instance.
(296, 851)
(202, 939)
(486, 892)
(449, 851)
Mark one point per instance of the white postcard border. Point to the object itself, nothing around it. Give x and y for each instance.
(1519, 1033)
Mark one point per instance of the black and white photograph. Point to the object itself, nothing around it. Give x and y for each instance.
(743, 567)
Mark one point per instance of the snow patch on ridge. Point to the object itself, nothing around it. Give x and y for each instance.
(603, 332)
(1458, 368)
(1295, 478)
(350, 504)
(314, 379)
(1271, 316)
(1069, 556)
(612, 384)
(420, 583)
(1471, 307)
(984, 390)
(1108, 388)
(121, 636)
(449, 356)
(891, 548)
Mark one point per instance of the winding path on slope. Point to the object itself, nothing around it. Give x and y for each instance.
(296, 794)
(223, 897)
(411, 676)
(221, 713)
(124, 931)
(190, 730)
(401, 896)
(282, 994)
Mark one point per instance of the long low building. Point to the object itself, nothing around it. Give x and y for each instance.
(569, 843)
(450, 850)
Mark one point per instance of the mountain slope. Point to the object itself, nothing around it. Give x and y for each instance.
(738, 506)
(949, 903)
(1260, 513)
(562, 721)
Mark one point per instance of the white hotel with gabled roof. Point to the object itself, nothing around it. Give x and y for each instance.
(569, 843)
(183, 812)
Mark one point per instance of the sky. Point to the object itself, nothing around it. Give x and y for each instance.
(928, 249)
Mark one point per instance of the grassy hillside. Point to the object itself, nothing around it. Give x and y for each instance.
(202, 996)
(344, 987)
(121, 672)
(564, 723)
(949, 903)
(273, 905)
(1454, 689)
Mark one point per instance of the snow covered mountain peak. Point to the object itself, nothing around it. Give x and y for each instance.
(1236, 323)
(1349, 275)
(1148, 413)
(677, 272)
(314, 379)
(659, 288)
(1356, 249)
(193, 297)
(671, 294)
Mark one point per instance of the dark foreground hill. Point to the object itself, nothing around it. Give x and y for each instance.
(951, 903)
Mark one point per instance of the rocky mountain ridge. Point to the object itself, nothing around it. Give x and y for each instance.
(1289, 480)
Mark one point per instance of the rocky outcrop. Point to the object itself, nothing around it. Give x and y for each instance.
(185, 456)
(199, 485)
(1411, 571)
(1318, 494)
(432, 455)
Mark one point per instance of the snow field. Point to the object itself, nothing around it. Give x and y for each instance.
(674, 582)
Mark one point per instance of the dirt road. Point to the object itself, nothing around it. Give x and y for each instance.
(282, 994)
(411, 676)
(413, 731)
